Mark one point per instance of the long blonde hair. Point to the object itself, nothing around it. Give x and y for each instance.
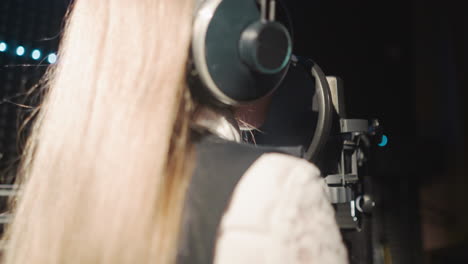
(106, 167)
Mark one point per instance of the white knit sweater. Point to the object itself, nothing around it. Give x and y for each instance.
(279, 213)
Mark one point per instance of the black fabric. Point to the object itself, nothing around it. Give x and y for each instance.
(220, 166)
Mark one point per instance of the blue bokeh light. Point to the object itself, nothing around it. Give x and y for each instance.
(20, 51)
(52, 58)
(36, 54)
(384, 141)
(3, 47)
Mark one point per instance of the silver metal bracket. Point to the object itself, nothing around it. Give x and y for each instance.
(341, 179)
(354, 125)
(340, 194)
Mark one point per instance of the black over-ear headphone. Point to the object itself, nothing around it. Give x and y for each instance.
(239, 53)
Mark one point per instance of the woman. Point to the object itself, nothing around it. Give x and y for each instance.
(107, 167)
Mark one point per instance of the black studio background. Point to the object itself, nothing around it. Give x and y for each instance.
(404, 62)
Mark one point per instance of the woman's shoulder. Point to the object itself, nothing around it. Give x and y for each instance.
(276, 175)
(284, 167)
(269, 183)
(280, 213)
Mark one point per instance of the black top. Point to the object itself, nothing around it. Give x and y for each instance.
(220, 166)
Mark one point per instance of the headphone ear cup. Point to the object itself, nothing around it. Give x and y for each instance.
(200, 93)
(231, 51)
